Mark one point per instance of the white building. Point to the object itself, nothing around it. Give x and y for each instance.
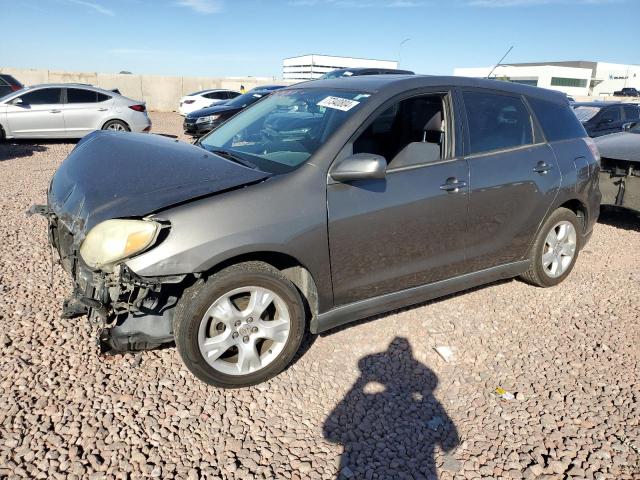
(579, 78)
(308, 67)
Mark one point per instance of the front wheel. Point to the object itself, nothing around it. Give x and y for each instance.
(555, 249)
(240, 327)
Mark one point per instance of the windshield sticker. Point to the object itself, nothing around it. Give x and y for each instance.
(256, 95)
(347, 74)
(361, 96)
(338, 103)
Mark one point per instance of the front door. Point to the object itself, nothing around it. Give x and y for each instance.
(514, 178)
(39, 115)
(407, 229)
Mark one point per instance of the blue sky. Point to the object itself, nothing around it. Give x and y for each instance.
(250, 37)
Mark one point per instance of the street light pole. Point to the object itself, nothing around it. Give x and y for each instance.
(400, 50)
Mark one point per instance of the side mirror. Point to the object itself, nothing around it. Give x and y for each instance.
(360, 166)
(17, 101)
(629, 126)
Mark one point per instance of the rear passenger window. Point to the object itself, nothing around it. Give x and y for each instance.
(496, 122)
(556, 119)
(631, 112)
(611, 115)
(78, 95)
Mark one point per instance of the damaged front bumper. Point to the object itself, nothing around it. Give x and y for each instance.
(132, 312)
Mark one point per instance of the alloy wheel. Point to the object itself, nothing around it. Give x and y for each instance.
(559, 249)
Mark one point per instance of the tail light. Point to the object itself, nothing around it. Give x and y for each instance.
(189, 102)
(138, 108)
(593, 147)
(15, 88)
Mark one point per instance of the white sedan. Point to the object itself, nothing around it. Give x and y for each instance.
(205, 98)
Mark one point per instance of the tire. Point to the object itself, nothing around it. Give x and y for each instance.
(2, 135)
(116, 125)
(209, 317)
(543, 272)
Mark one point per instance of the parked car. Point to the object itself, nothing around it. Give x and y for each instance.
(603, 118)
(356, 72)
(408, 188)
(620, 167)
(8, 84)
(205, 98)
(627, 92)
(202, 121)
(67, 110)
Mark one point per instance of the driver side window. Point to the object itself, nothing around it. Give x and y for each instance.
(408, 133)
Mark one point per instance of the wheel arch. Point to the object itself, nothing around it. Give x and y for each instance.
(577, 207)
(112, 119)
(288, 265)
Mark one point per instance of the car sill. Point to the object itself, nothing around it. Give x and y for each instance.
(391, 301)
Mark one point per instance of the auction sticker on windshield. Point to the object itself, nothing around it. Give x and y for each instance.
(338, 103)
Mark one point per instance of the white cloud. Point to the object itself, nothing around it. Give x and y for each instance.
(202, 6)
(529, 3)
(94, 6)
(358, 3)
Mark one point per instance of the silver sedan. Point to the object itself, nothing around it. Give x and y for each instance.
(68, 111)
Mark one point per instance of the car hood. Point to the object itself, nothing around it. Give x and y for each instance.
(123, 175)
(217, 108)
(620, 146)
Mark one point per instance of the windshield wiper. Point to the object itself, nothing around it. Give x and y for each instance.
(235, 158)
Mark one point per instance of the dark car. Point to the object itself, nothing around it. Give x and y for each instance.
(627, 92)
(620, 167)
(324, 203)
(202, 121)
(356, 72)
(8, 84)
(603, 118)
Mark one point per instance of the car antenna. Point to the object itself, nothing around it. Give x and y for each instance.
(500, 62)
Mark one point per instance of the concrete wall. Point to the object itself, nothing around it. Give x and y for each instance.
(161, 93)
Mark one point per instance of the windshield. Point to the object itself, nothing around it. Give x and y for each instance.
(246, 99)
(337, 74)
(283, 131)
(585, 113)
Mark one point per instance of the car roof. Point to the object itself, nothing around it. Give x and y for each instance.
(398, 83)
(597, 103)
(266, 87)
(372, 69)
(86, 86)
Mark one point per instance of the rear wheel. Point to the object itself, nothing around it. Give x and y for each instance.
(241, 327)
(116, 125)
(555, 250)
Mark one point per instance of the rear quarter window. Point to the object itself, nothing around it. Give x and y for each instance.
(556, 119)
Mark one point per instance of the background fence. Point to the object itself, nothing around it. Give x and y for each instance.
(161, 93)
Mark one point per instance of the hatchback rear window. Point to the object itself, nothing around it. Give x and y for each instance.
(585, 114)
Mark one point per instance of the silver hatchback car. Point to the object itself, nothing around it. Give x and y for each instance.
(68, 110)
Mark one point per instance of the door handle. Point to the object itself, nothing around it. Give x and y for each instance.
(55, 111)
(103, 109)
(453, 185)
(542, 168)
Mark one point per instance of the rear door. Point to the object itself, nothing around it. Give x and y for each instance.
(38, 116)
(514, 177)
(84, 111)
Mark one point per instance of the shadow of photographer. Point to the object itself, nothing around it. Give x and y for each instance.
(390, 423)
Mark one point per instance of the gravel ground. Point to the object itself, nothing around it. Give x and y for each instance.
(373, 400)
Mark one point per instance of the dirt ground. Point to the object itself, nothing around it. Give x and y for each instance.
(372, 400)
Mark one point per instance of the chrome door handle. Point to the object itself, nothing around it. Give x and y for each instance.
(542, 168)
(55, 111)
(453, 185)
(103, 109)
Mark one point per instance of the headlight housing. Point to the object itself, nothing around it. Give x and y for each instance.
(207, 119)
(114, 240)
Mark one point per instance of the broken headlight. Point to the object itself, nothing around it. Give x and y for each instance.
(114, 240)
